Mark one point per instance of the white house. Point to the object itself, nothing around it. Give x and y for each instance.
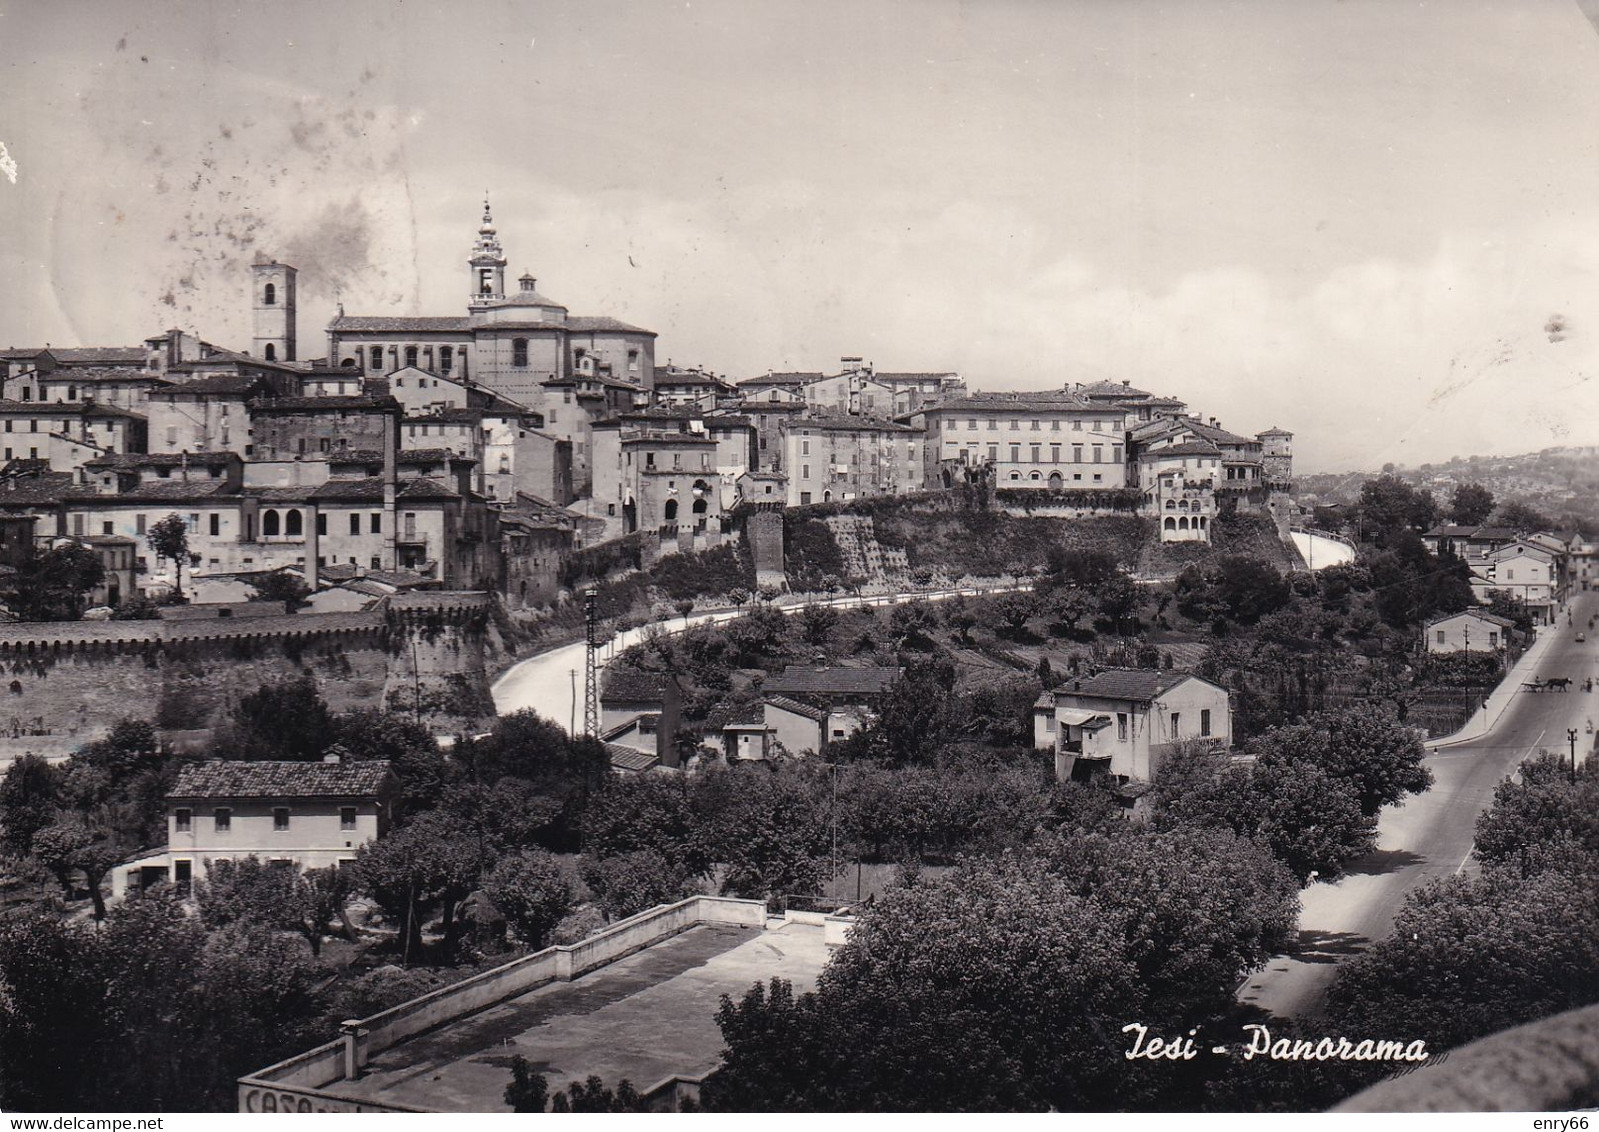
(297, 814)
(1473, 630)
(1528, 573)
(1120, 721)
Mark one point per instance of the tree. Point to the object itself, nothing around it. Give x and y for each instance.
(1013, 1004)
(372, 733)
(280, 585)
(1471, 956)
(645, 813)
(29, 794)
(684, 608)
(1364, 744)
(1521, 518)
(1541, 813)
(286, 720)
(528, 1091)
(1118, 599)
(1471, 505)
(1388, 506)
(1070, 605)
(631, 882)
(247, 891)
(769, 825)
(169, 538)
(51, 585)
(429, 863)
(535, 892)
(816, 623)
(1505, 603)
(1013, 610)
(564, 769)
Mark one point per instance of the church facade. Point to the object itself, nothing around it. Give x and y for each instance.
(513, 343)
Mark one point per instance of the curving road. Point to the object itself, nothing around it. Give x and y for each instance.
(1431, 834)
(1320, 552)
(546, 682)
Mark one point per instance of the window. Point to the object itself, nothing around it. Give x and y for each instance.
(1204, 721)
(1176, 724)
(293, 523)
(377, 357)
(519, 353)
(271, 352)
(280, 818)
(1077, 426)
(805, 448)
(216, 524)
(346, 817)
(270, 524)
(183, 820)
(182, 875)
(224, 819)
(107, 527)
(1054, 425)
(375, 526)
(410, 355)
(1049, 723)
(355, 523)
(269, 297)
(1099, 454)
(1441, 636)
(1493, 640)
(446, 358)
(805, 471)
(1054, 453)
(1035, 452)
(1121, 725)
(993, 426)
(1015, 426)
(1016, 453)
(971, 426)
(138, 524)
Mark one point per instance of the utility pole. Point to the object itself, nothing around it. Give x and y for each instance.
(591, 687)
(571, 726)
(1571, 735)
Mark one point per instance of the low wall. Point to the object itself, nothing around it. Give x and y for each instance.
(301, 1078)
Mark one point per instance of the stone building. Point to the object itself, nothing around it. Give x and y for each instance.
(1044, 440)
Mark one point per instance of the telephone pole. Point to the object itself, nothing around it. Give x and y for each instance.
(591, 687)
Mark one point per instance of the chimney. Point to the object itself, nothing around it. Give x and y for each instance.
(1127, 383)
(332, 756)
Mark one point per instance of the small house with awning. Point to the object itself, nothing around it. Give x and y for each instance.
(1120, 721)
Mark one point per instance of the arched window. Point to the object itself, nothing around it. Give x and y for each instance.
(270, 296)
(1015, 475)
(1055, 481)
(348, 363)
(1171, 505)
(446, 358)
(1182, 524)
(1171, 524)
(410, 355)
(671, 510)
(1036, 476)
(519, 353)
(269, 523)
(1200, 522)
(377, 357)
(271, 352)
(699, 507)
(293, 524)
(827, 497)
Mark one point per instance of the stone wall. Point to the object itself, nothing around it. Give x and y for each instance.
(63, 684)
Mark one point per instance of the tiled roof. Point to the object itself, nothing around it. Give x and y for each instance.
(107, 374)
(588, 324)
(1139, 684)
(890, 376)
(371, 488)
(797, 707)
(169, 490)
(1114, 389)
(98, 355)
(325, 404)
(222, 778)
(299, 494)
(625, 685)
(34, 491)
(627, 758)
(849, 424)
(366, 322)
(163, 460)
(1479, 614)
(1020, 402)
(806, 679)
(24, 354)
(781, 379)
(1188, 448)
(219, 385)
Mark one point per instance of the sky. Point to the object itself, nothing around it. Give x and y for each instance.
(1372, 222)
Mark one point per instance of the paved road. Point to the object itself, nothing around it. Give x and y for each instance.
(545, 682)
(1320, 552)
(1431, 835)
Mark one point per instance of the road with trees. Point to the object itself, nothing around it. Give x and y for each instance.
(1431, 836)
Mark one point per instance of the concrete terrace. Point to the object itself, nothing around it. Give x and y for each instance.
(643, 1018)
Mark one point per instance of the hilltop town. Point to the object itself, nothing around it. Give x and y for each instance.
(398, 703)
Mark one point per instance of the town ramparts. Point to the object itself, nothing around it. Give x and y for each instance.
(65, 683)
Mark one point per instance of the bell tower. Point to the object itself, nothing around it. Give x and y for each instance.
(487, 264)
(272, 284)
